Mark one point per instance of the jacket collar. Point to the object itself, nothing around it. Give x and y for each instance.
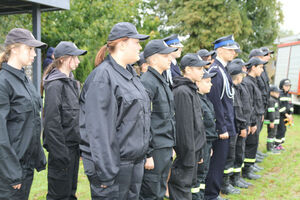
(127, 73)
(18, 73)
(221, 61)
(156, 74)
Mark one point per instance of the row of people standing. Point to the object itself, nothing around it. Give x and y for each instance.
(125, 127)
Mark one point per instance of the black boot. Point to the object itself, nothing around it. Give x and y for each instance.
(227, 188)
(258, 167)
(254, 169)
(245, 182)
(262, 154)
(236, 180)
(249, 174)
(272, 148)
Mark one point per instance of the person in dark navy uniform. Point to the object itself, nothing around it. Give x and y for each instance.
(221, 96)
(174, 71)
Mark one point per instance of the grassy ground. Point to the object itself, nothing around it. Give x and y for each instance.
(280, 177)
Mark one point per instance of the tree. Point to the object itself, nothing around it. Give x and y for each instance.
(254, 23)
(87, 24)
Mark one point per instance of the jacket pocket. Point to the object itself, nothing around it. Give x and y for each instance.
(69, 115)
(19, 112)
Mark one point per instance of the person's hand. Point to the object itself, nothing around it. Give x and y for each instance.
(272, 125)
(243, 133)
(103, 186)
(262, 118)
(149, 163)
(17, 186)
(201, 161)
(253, 129)
(211, 152)
(224, 136)
(249, 130)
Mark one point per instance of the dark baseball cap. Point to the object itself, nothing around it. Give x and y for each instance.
(23, 36)
(157, 46)
(266, 50)
(254, 61)
(257, 52)
(67, 48)
(142, 59)
(274, 88)
(205, 53)
(238, 61)
(125, 29)
(235, 68)
(192, 60)
(208, 75)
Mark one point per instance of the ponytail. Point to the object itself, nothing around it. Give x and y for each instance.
(55, 64)
(6, 53)
(100, 55)
(110, 47)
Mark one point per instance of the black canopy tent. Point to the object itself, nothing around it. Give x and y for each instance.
(9, 7)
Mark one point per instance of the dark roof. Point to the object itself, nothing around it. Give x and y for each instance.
(8, 7)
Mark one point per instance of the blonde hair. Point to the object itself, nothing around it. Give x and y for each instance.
(4, 56)
(110, 47)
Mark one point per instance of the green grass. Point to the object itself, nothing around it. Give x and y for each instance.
(280, 177)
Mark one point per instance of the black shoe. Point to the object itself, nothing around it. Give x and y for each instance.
(258, 167)
(248, 174)
(236, 181)
(254, 169)
(245, 182)
(262, 154)
(230, 190)
(258, 160)
(227, 188)
(259, 157)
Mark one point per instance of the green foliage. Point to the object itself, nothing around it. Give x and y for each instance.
(87, 24)
(254, 23)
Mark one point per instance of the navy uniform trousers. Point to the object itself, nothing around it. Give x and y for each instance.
(214, 177)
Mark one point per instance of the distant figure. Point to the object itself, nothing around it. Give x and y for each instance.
(49, 59)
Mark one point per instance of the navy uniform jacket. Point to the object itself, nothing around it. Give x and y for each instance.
(114, 119)
(223, 104)
(175, 71)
